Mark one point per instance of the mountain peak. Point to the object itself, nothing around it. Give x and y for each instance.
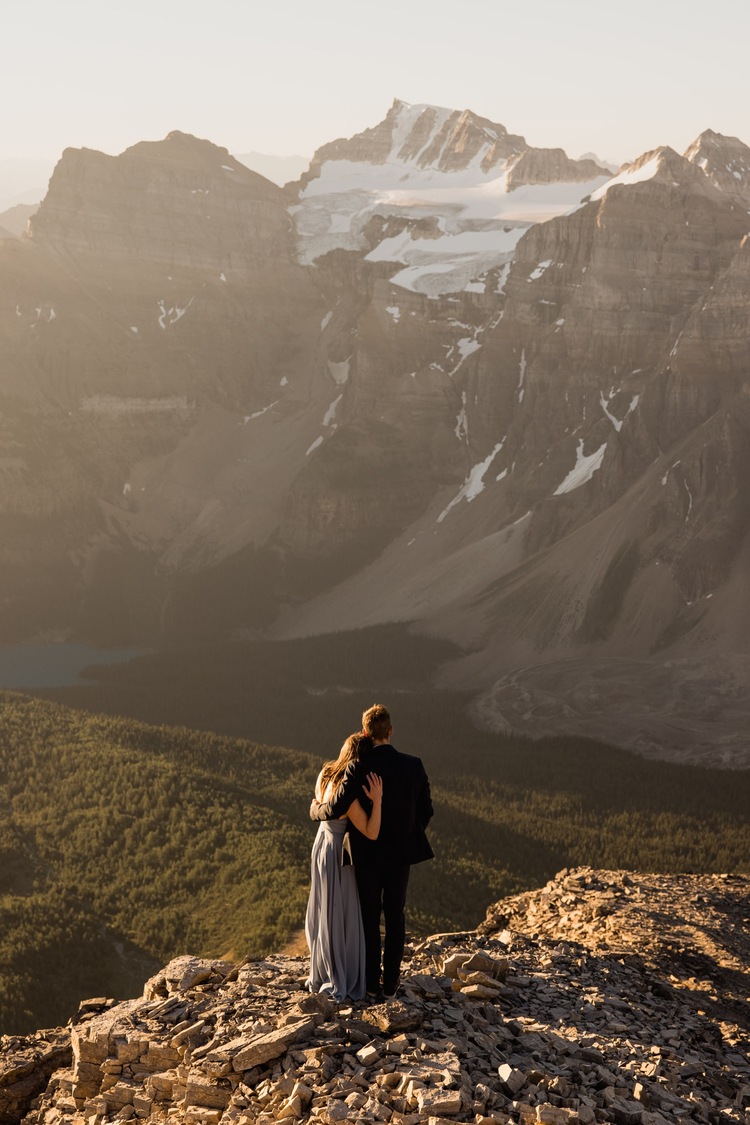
(661, 164)
(182, 148)
(520, 1021)
(425, 136)
(190, 138)
(725, 161)
(181, 199)
(451, 170)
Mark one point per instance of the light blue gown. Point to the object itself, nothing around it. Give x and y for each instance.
(333, 924)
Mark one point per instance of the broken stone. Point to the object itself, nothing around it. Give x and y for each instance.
(368, 1055)
(439, 1102)
(478, 992)
(626, 1111)
(261, 1048)
(512, 1080)
(393, 1016)
(556, 1115)
(201, 1090)
(550, 1055)
(452, 964)
(476, 977)
(483, 963)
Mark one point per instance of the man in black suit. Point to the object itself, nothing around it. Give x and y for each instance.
(382, 866)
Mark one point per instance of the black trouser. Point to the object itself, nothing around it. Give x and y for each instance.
(382, 889)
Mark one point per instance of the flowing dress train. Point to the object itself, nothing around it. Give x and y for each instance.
(333, 924)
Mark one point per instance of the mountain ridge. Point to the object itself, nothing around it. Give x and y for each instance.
(313, 405)
(114, 184)
(520, 1021)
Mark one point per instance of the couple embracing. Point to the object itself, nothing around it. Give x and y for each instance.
(374, 805)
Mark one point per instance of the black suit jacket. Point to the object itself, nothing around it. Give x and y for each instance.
(406, 812)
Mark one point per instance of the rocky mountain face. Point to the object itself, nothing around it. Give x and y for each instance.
(429, 137)
(726, 162)
(591, 556)
(606, 996)
(144, 322)
(442, 140)
(446, 194)
(161, 202)
(446, 378)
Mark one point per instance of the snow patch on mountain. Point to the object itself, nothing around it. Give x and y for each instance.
(537, 272)
(583, 470)
(171, 315)
(339, 372)
(448, 263)
(259, 413)
(605, 401)
(632, 174)
(480, 224)
(474, 483)
(330, 414)
(462, 422)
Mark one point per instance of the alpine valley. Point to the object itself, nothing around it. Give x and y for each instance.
(447, 380)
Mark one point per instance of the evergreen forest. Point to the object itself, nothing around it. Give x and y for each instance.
(124, 843)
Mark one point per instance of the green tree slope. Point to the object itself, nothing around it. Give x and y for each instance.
(123, 844)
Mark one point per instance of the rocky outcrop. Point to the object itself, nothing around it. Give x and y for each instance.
(607, 996)
(27, 1064)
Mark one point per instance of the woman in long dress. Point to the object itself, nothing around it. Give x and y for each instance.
(333, 924)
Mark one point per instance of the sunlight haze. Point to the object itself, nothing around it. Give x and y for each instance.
(285, 79)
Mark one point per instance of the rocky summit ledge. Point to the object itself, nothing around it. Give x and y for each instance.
(606, 996)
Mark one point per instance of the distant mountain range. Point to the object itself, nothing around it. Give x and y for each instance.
(443, 378)
(15, 220)
(611, 165)
(280, 169)
(23, 181)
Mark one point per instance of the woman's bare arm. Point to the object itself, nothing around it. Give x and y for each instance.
(368, 825)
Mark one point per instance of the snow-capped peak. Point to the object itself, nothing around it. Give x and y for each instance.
(463, 189)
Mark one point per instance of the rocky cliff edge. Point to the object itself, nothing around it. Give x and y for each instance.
(605, 996)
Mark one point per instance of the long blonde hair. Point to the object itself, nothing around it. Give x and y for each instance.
(333, 771)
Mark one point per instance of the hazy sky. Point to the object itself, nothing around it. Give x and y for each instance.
(285, 77)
